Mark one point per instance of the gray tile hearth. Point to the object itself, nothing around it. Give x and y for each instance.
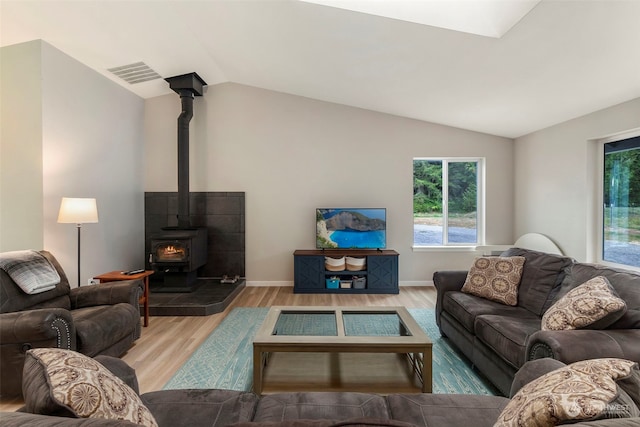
(207, 297)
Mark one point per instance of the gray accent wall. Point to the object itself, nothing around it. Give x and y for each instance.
(222, 213)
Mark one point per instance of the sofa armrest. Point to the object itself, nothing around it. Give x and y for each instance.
(575, 345)
(126, 291)
(47, 327)
(446, 281)
(24, 330)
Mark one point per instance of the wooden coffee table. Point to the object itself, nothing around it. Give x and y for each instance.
(340, 348)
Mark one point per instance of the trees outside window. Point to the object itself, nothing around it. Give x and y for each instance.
(447, 202)
(621, 202)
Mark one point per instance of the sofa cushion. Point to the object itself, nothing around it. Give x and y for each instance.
(120, 369)
(594, 304)
(625, 283)
(426, 409)
(541, 278)
(67, 383)
(466, 307)
(507, 335)
(495, 278)
(197, 407)
(352, 422)
(320, 405)
(21, 419)
(99, 327)
(584, 390)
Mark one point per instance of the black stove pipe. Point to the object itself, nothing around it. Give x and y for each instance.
(186, 97)
(187, 86)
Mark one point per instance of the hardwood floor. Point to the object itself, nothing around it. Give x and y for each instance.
(169, 341)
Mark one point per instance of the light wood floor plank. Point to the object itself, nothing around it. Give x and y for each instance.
(169, 341)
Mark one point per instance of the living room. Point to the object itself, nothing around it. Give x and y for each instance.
(72, 131)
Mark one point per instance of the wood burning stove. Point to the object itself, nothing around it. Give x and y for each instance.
(179, 250)
(178, 253)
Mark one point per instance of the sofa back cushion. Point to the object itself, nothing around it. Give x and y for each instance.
(12, 298)
(541, 277)
(626, 284)
(320, 405)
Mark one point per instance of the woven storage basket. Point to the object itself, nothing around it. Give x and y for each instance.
(334, 264)
(355, 264)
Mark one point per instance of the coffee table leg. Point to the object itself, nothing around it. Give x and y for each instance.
(257, 370)
(427, 370)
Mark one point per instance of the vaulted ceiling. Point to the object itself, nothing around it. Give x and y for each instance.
(526, 68)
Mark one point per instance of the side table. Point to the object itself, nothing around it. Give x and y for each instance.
(116, 276)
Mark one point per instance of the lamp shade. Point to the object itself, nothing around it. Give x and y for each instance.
(78, 211)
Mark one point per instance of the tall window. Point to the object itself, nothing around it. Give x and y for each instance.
(447, 202)
(621, 202)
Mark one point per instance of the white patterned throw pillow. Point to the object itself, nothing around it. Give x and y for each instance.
(495, 278)
(81, 386)
(593, 304)
(585, 390)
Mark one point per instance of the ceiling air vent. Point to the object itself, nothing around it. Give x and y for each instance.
(135, 73)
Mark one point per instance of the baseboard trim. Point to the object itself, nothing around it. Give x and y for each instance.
(416, 283)
(290, 283)
(270, 283)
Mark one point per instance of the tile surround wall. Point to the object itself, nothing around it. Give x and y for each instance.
(223, 215)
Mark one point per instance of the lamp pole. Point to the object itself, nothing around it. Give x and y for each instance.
(79, 226)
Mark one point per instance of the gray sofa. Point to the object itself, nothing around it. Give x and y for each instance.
(499, 339)
(93, 320)
(217, 408)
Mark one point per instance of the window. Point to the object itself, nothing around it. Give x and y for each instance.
(621, 202)
(448, 202)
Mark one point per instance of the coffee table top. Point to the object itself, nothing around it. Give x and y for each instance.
(340, 326)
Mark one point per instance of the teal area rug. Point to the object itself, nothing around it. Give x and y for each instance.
(225, 359)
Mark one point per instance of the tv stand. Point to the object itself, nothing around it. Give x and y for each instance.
(380, 271)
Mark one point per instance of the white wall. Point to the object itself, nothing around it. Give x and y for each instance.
(91, 145)
(556, 178)
(292, 154)
(20, 148)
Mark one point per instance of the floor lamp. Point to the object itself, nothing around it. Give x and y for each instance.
(78, 211)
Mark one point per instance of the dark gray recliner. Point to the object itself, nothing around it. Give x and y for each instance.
(93, 320)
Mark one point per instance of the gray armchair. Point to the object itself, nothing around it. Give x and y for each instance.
(93, 320)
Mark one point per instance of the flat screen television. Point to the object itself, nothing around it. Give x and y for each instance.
(351, 228)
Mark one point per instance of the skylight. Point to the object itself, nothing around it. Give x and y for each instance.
(490, 18)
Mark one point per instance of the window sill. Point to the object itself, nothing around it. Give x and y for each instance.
(619, 266)
(444, 248)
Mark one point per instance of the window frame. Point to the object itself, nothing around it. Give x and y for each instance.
(599, 232)
(480, 205)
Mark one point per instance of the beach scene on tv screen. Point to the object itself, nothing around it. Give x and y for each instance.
(351, 228)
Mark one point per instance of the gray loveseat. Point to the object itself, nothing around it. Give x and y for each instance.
(218, 408)
(93, 320)
(499, 339)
